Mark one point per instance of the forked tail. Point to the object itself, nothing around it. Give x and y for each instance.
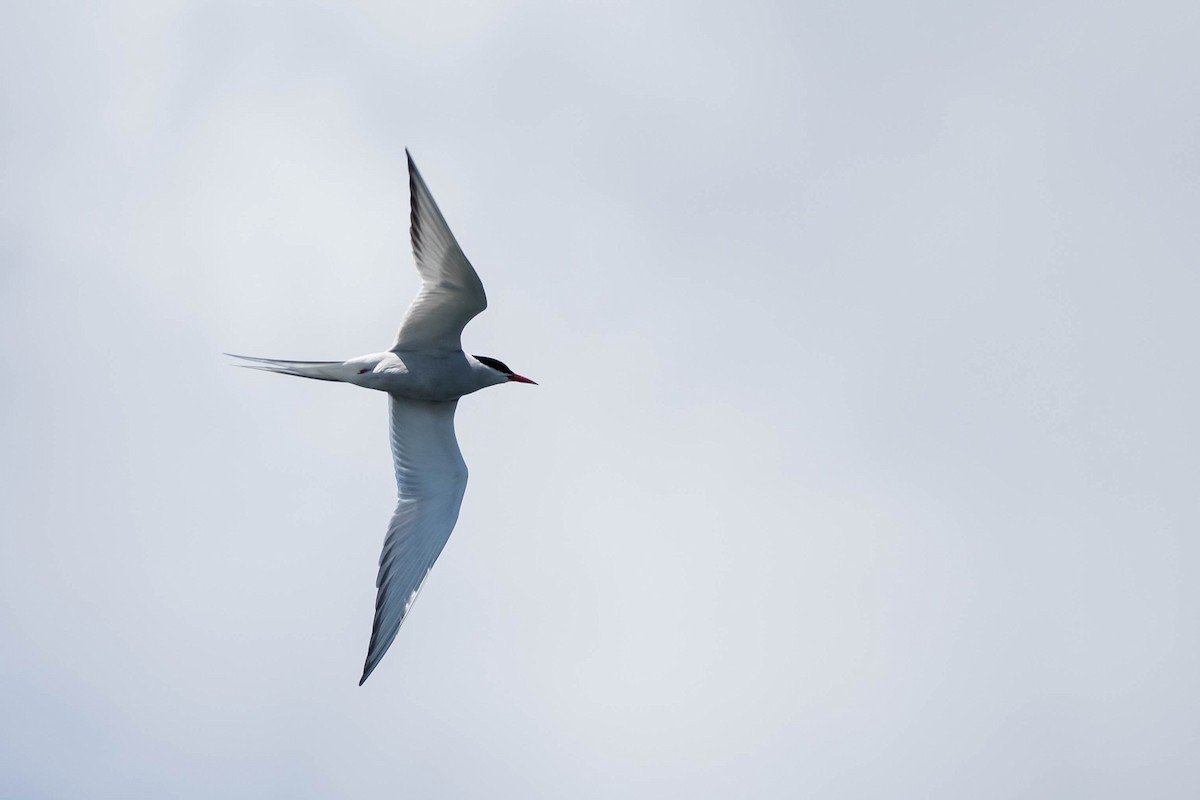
(317, 370)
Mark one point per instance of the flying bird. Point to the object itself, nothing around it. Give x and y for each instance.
(424, 374)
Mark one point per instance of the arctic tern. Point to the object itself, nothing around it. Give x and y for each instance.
(424, 374)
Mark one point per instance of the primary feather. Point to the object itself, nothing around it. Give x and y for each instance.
(451, 293)
(431, 478)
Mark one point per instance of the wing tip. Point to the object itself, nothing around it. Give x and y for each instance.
(368, 668)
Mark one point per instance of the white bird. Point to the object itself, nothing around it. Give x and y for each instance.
(424, 374)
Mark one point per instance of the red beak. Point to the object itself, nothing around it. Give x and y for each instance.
(521, 379)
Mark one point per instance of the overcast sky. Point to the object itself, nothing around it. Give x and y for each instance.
(863, 464)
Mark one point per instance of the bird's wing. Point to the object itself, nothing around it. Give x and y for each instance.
(451, 293)
(431, 477)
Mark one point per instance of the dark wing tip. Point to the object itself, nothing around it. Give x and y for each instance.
(414, 215)
(372, 660)
(369, 667)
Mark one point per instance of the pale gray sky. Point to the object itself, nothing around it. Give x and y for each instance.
(864, 462)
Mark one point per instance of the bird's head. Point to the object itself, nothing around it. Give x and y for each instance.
(503, 369)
